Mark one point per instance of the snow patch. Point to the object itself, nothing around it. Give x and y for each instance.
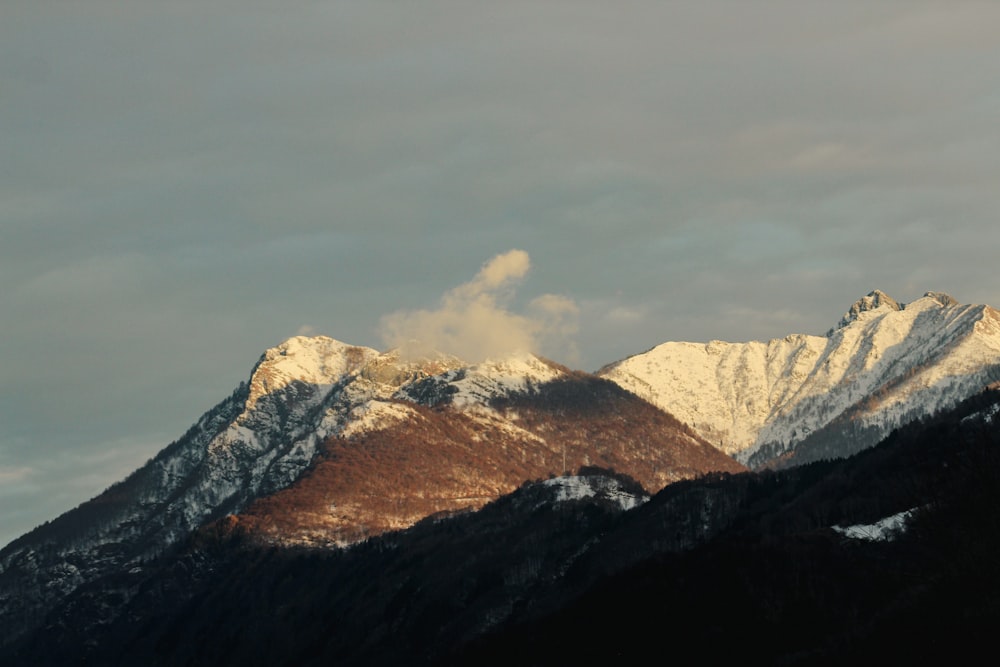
(376, 416)
(491, 421)
(882, 530)
(987, 415)
(479, 384)
(574, 487)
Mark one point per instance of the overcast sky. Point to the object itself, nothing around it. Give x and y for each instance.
(184, 184)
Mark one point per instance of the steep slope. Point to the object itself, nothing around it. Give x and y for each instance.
(256, 441)
(804, 397)
(397, 439)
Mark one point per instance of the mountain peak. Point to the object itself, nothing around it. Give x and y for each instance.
(942, 298)
(872, 301)
(317, 360)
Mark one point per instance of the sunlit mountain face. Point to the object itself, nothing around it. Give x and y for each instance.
(803, 398)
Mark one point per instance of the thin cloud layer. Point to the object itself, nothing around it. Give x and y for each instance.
(474, 321)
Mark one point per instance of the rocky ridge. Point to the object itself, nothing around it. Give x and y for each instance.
(805, 397)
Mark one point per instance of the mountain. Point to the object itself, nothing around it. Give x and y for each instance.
(802, 398)
(332, 450)
(329, 444)
(769, 567)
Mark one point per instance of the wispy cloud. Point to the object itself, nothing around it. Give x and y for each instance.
(10, 475)
(474, 322)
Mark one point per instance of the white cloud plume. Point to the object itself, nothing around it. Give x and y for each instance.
(473, 322)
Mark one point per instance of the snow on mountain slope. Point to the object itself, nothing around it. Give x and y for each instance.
(884, 529)
(477, 385)
(261, 438)
(257, 440)
(577, 487)
(454, 441)
(265, 436)
(883, 365)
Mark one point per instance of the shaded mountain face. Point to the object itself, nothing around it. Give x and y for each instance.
(328, 444)
(803, 398)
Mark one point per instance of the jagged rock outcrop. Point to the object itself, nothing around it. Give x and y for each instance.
(871, 301)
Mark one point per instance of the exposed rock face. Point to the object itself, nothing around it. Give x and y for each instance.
(872, 301)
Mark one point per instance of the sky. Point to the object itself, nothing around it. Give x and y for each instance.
(185, 184)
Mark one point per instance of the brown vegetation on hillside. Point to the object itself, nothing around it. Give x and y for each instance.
(444, 460)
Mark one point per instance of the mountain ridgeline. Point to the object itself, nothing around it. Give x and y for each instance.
(509, 487)
(804, 398)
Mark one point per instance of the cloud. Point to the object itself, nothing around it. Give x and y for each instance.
(12, 474)
(497, 274)
(556, 320)
(104, 275)
(474, 323)
(625, 315)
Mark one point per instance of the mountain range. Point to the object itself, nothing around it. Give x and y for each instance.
(340, 457)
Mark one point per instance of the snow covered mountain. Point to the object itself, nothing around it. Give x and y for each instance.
(802, 397)
(328, 444)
